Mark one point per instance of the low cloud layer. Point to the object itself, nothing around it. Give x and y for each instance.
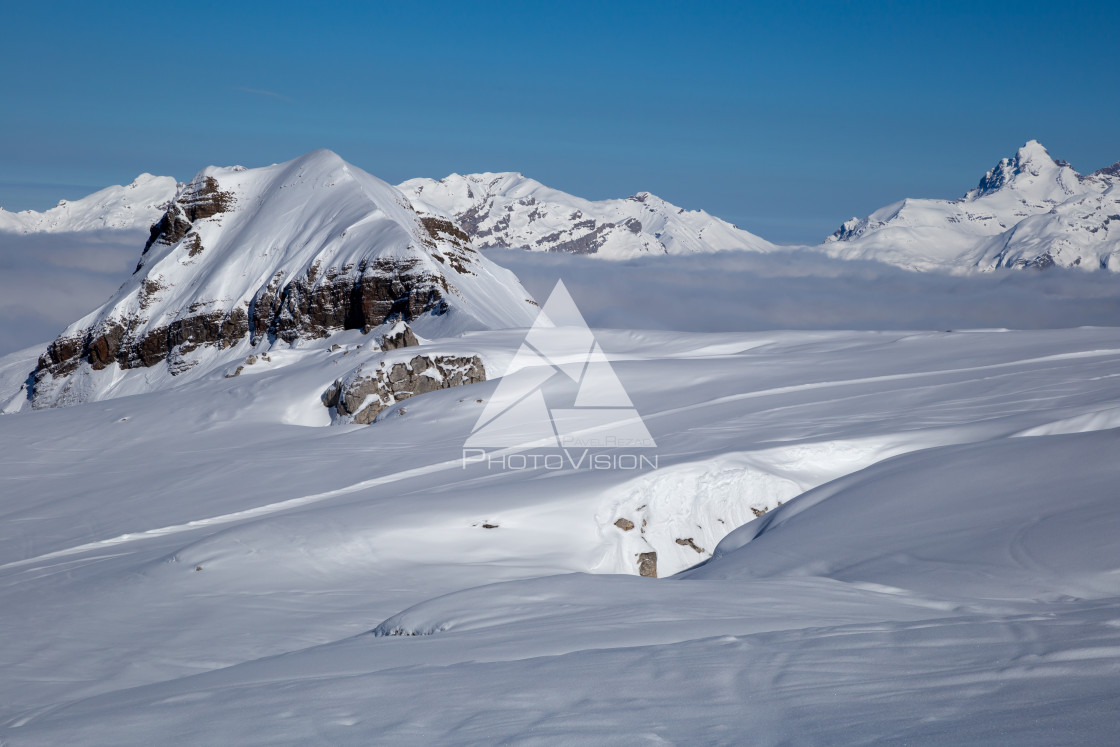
(746, 291)
(48, 281)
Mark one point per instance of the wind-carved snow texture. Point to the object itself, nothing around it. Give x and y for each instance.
(511, 211)
(1029, 211)
(246, 259)
(949, 573)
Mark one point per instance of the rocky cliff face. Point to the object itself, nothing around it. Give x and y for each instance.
(282, 255)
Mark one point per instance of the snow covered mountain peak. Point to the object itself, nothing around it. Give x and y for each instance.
(1030, 210)
(1033, 171)
(510, 210)
(245, 259)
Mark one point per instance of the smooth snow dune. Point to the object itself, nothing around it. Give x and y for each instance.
(1041, 515)
(1017, 641)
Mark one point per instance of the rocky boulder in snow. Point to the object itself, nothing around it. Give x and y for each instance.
(400, 336)
(361, 396)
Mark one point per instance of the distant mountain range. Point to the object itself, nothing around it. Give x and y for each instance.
(511, 211)
(139, 204)
(1029, 211)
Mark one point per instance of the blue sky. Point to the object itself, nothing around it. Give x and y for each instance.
(783, 118)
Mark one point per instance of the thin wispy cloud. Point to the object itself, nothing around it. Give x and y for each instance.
(261, 92)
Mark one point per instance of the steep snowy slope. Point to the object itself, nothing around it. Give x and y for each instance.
(511, 211)
(246, 259)
(1028, 211)
(137, 205)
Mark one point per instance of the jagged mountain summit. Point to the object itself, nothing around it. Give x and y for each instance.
(1029, 211)
(246, 259)
(511, 211)
(134, 205)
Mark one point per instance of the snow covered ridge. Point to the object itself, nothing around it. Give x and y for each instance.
(511, 211)
(246, 259)
(118, 207)
(1029, 211)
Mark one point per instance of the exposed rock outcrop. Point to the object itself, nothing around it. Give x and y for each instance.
(201, 198)
(346, 298)
(687, 542)
(296, 310)
(400, 336)
(116, 341)
(362, 396)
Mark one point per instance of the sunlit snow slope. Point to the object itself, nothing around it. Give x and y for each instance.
(188, 565)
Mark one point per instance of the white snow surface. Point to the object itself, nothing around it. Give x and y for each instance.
(1028, 211)
(938, 561)
(511, 211)
(136, 205)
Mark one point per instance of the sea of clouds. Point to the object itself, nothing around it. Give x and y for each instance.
(48, 281)
(803, 289)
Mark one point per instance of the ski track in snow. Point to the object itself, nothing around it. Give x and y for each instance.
(889, 377)
(280, 506)
(943, 582)
(250, 513)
